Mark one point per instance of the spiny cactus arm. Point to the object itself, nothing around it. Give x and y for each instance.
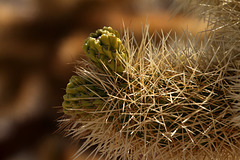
(169, 108)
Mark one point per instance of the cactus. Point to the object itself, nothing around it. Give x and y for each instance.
(224, 25)
(167, 101)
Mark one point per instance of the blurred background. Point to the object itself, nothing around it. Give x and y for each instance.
(40, 40)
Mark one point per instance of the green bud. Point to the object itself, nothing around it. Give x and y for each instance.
(81, 95)
(105, 46)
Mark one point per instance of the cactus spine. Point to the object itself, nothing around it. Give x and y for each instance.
(166, 101)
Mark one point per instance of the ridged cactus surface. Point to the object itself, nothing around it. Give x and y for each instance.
(106, 50)
(82, 97)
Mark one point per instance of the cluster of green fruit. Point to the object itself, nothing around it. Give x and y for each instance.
(105, 49)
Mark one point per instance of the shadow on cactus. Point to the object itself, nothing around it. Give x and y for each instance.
(164, 98)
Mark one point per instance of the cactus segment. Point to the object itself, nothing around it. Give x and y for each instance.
(79, 98)
(105, 49)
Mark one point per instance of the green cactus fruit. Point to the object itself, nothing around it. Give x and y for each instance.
(105, 49)
(81, 97)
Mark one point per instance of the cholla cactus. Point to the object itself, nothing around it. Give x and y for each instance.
(223, 17)
(169, 101)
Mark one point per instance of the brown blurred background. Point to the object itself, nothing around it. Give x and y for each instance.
(39, 42)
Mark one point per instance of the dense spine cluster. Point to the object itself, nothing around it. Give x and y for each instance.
(223, 17)
(155, 100)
